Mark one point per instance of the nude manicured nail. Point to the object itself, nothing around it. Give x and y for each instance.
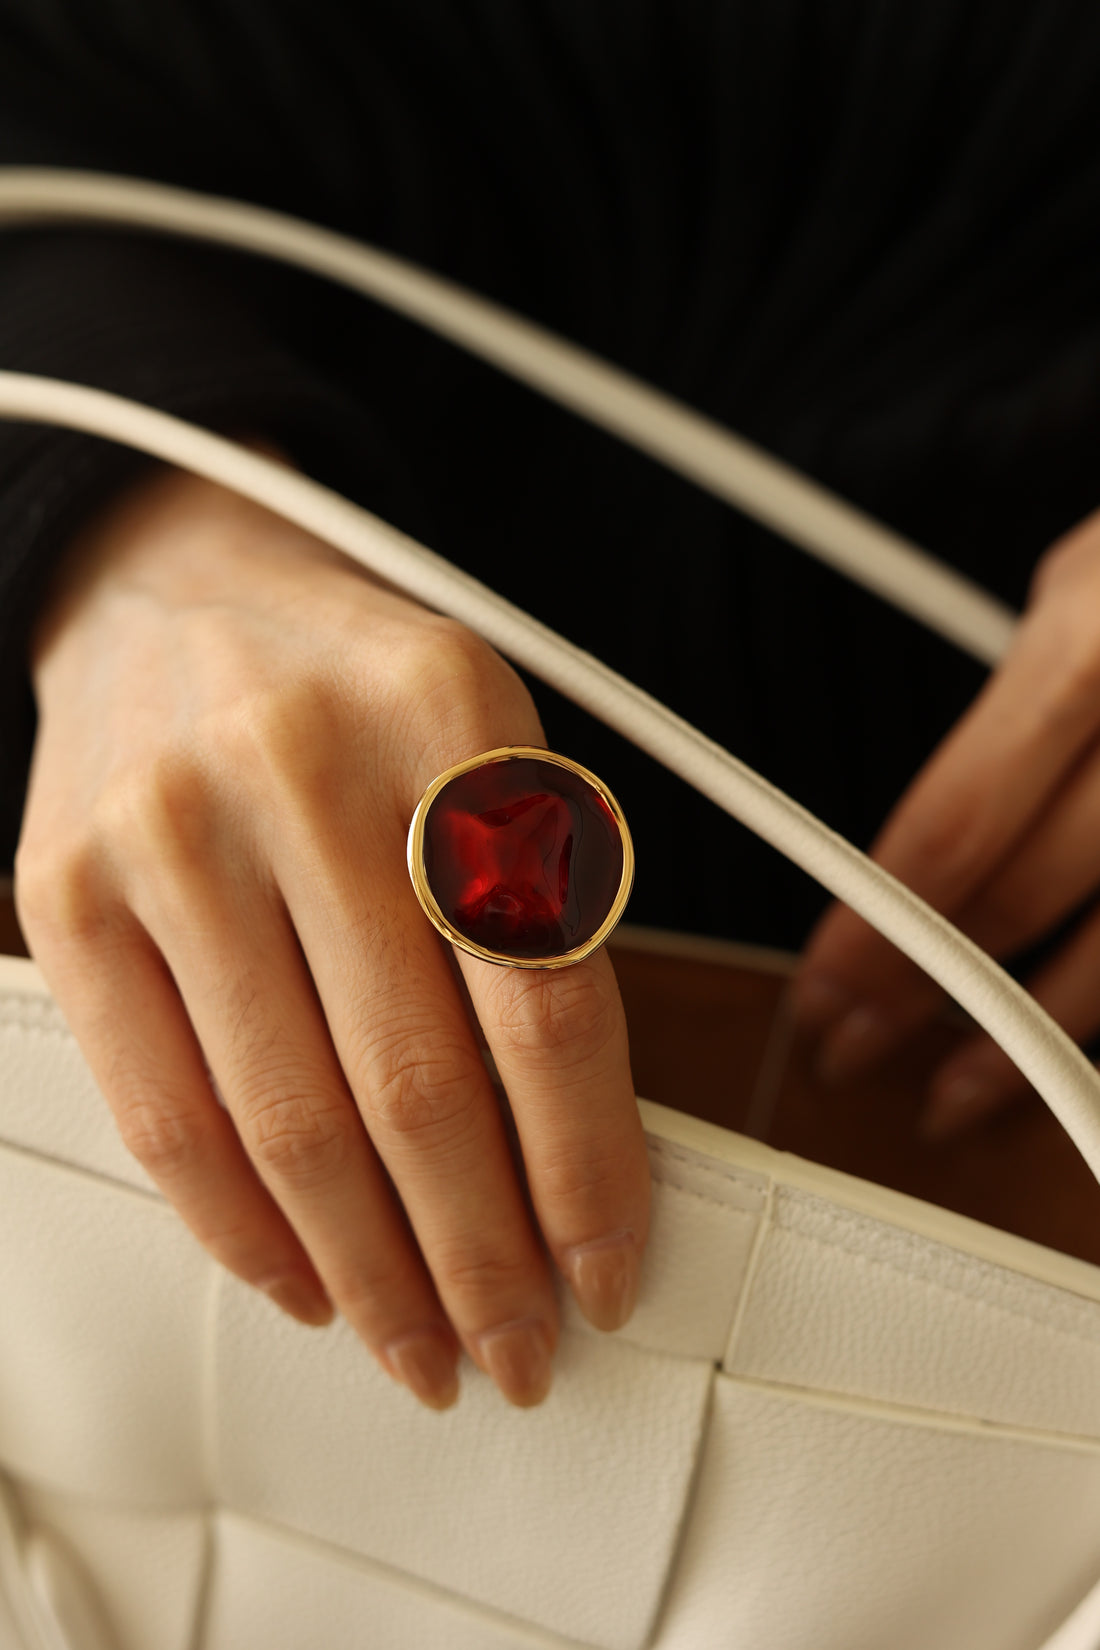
(427, 1363)
(604, 1277)
(862, 1037)
(517, 1356)
(302, 1299)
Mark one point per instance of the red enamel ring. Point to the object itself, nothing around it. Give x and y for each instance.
(522, 857)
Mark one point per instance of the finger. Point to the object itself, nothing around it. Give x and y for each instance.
(421, 1085)
(258, 1019)
(1050, 875)
(980, 1079)
(954, 829)
(125, 1011)
(559, 1040)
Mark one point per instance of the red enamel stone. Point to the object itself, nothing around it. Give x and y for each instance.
(524, 857)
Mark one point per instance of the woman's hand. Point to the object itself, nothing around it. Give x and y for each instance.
(235, 727)
(1001, 832)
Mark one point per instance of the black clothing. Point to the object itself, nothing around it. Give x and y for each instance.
(865, 234)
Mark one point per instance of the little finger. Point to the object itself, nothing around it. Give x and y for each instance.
(151, 1070)
(258, 1019)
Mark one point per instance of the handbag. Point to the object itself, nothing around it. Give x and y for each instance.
(840, 1418)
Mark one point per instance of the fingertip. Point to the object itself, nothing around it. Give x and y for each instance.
(302, 1299)
(517, 1356)
(604, 1277)
(426, 1362)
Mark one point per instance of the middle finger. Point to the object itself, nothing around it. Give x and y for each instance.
(256, 1015)
(405, 1044)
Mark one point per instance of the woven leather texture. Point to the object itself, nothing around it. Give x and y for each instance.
(825, 1427)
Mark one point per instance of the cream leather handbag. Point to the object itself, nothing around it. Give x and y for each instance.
(841, 1419)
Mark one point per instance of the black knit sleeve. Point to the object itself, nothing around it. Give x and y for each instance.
(164, 322)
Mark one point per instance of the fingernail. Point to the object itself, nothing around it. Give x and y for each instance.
(427, 1363)
(958, 1104)
(860, 1039)
(604, 1278)
(302, 1299)
(816, 1003)
(517, 1356)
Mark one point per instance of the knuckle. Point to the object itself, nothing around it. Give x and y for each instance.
(168, 1141)
(418, 1091)
(159, 813)
(483, 1270)
(446, 652)
(570, 1176)
(466, 691)
(297, 1144)
(278, 730)
(148, 818)
(572, 1016)
(59, 887)
(378, 1293)
(295, 744)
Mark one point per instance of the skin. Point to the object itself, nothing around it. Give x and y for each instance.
(1001, 832)
(235, 726)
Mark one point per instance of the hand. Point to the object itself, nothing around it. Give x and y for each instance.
(235, 726)
(1001, 832)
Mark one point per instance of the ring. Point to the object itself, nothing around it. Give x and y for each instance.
(522, 857)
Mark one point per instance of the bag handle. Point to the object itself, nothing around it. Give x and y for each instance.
(697, 448)
(1041, 1049)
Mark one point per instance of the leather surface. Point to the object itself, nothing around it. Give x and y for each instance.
(9, 1633)
(833, 1528)
(102, 1297)
(483, 1500)
(843, 1304)
(38, 1058)
(148, 1569)
(840, 1420)
(270, 1590)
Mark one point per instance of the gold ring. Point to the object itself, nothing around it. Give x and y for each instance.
(521, 857)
